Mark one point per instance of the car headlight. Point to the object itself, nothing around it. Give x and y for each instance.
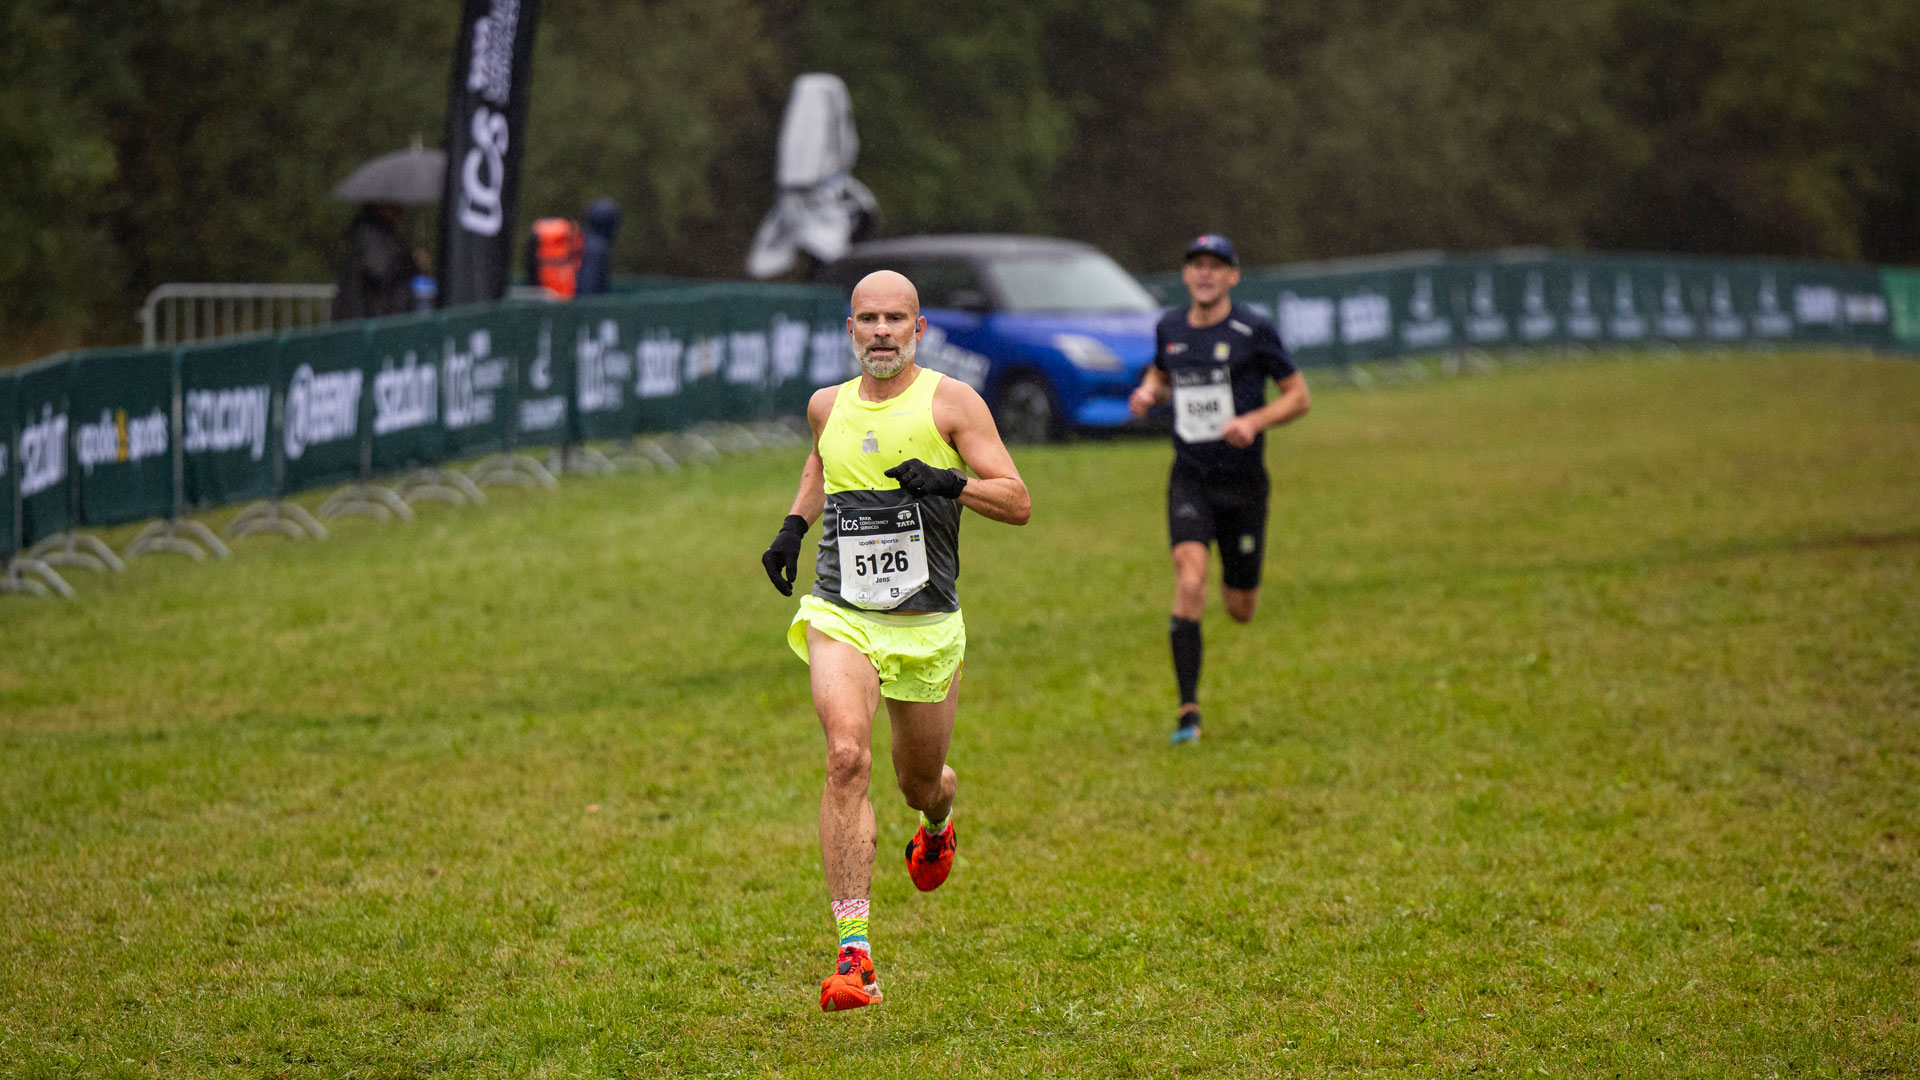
(1086, 353)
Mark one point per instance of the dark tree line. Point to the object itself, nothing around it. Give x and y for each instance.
(144, 141)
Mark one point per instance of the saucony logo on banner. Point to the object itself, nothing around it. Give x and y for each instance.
(231, 419)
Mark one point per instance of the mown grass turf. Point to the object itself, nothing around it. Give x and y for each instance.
(1577, 736)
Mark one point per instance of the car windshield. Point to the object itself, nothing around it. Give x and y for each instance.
(1077, 281)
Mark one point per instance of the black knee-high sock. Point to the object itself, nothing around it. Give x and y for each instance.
(1186, 657)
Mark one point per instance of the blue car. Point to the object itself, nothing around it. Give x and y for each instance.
(1053, 333)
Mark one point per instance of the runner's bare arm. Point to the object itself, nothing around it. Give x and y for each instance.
(995, 489)
(811, 500)
(1290, 404)
(1153, 390)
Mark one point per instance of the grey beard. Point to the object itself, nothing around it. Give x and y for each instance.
(888, 369)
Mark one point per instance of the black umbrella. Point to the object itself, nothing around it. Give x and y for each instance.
(409, 177)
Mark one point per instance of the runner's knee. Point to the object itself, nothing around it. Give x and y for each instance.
(848, 764)
(1190, 570)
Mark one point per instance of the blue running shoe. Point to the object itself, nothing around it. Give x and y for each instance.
(1189, 729)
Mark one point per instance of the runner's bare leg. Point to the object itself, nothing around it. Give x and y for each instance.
(1189, 579)
(1241, 603)
(922, 731)
(846, 694)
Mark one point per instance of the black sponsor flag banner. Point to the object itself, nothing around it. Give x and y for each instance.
(45, 464)
(486, 138)
(9, 476)
(324, 415)
(226, 421)
(122, 405)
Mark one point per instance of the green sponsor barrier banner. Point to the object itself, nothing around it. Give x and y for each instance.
(600, 335)
(1902, 290)
(325, 406)
(122, 405)
(807, 326)
(676, 357)
(830, 359)
(543, 386)
(669, 326)
(227, 428)
(9, 475)
(739, 362)
(479, 354)
(44, 440)
(1373, 309)
(708, 384)
(94, 437)
(402, 376)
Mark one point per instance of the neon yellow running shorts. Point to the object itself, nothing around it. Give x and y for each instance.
(917, 656)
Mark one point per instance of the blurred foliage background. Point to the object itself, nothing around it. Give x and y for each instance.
(146, 141)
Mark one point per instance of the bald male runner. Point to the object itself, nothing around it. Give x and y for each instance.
(883, 620)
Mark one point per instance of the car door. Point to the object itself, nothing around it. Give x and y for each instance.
(960, 340)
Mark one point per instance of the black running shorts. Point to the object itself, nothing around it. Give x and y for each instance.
(1230, 510)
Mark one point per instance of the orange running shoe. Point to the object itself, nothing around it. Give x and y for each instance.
(852, 983)
(930, 858)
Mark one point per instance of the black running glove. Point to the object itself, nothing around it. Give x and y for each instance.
(782, 557)
(919, 478)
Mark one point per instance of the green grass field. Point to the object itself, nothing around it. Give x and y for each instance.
(1577, 736)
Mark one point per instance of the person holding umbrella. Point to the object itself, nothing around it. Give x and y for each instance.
(376, 277)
